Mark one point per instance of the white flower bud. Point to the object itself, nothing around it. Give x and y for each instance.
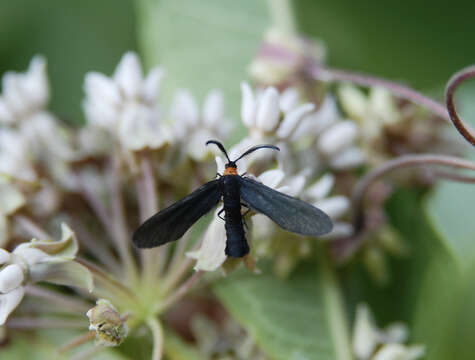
(289, 99)
(213, 109)
(348, 159)
(184, 107)
(152, 84)
(128, 75)
(337, 137)
(102, 89)
(13, 95)
(6, 116)
(335, 206)
(292, 119)
(268, 110)
(4, 256)
(35, 83)
(10, 278)
(321, 188)
(271, 178)
(248, 105)
(353, 101)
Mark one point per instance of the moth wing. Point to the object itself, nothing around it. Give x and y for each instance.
(289, 213)
(171, 223)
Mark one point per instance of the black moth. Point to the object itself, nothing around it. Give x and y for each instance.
(291, 214)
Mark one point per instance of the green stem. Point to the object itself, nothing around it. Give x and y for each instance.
(335, 309)
(157, 334)
(282, 15)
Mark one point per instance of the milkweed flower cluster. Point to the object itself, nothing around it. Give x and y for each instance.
(135, 156)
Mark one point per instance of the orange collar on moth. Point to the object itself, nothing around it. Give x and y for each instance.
(230, 171)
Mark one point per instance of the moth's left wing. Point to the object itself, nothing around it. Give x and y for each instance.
(171, 223)
(289, 213)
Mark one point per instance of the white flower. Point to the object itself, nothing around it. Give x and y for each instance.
(44, 260)
(367, 338)
(24, 93)
(193, 129)
(126, 104)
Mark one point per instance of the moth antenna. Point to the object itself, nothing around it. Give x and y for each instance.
(257, 147)
(220, 146)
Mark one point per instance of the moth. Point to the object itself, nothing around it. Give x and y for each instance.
(235, 190)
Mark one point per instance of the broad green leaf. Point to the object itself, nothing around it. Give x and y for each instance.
(203, 44)
(286, 318)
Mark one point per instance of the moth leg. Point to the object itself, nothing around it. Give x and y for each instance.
(218, 175)
(247, 211)
(219, 214)
(244, 174)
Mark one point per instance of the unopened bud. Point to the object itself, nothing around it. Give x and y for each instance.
(110, 327)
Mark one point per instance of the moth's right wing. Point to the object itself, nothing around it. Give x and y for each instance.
(171, 223)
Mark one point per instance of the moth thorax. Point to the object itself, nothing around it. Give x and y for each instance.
(230, 170)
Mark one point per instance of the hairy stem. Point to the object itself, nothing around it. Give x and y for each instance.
(335, 309)
(463, 128)
(157, 334)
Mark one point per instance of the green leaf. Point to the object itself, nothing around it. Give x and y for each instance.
(286, 318)
(203, 44)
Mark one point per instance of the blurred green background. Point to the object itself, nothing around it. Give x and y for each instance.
(421, 43)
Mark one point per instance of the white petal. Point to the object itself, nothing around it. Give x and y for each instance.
(292, 119)
(152, 84)
(335, 206)
(365, 336)
(8, 302)
(295, 185)
(213, 109)
(184, 107)
(100, 88)
(399, 352)
(337, 137)
(128, 75)
(13, 95)
(35, 85)
(101, 114)
(219, 165)
(10, 198)
(340, 229)
(195, 146)
(271, 178)
(211, 254)
(248, 105)
(381, 104)
(396, 333)
(10, 278)
(348, 159)
(6, 116)
(30, 255)
(289, 99)
(4, 256)
(268, 110)
(321, 188)
(315, 123)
